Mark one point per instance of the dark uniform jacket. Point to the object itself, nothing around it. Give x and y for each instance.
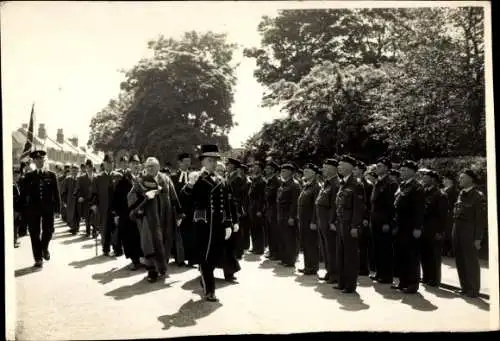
(40, 192)
(286, 200)
(409, 207)
(326, 202)
(102, 196)
(257, 196)
(214, 211)
(239, 188)
(382, 201)
(435, 212)
(470, 216)
(306, 212)
(271, 192)
(350, 203)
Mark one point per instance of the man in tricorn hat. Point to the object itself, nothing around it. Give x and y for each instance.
(84, 195)
(214, 218)
(286, 200)
(40, 194)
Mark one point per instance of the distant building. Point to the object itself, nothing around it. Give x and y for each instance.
(59, 150)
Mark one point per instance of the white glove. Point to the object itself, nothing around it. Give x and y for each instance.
(313, 226)
(228, 233)
(117, 220)
(333, 227)
(80, 200)
(236, 227)
(151, 194)
(385, 228)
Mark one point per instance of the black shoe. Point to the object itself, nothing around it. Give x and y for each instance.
(152, 276)
(230, 278)
(348, 291)
(180, 264)
(16, 245)
(38, 264)
(396, 287)
(117, 254)
(46, 254)
(211, 298)
(383, 281)
(308, 272)
(472, 294)
(410, 290)
(302, 270)
(106, 253)
(364, 273)
(286, 265)
(134, 266)
(87, 234)
(338, 287)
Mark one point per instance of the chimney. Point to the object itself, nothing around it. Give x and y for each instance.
(42, 133)
(74, 141)
(24, 127)
(60, 136)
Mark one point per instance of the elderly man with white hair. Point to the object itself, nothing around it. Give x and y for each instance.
(154, 205)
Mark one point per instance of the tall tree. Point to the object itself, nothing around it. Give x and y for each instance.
(182, 97)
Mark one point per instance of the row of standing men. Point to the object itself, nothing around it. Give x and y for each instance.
(354, 223)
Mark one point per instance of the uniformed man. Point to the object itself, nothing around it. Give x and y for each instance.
(350, 212)
(451, 192)
(62, 180)
(409, 220)
(306, 216)
(366, 258)
(214, 218)
(237, 181)
(382, 221)
(470, 218)
(18, 205)
(40, 194)
(257, 206)
(271, 191)
(84, 194)
(326, 212)
(69, 199)
(286, 201)
(435, 219)
(245, 222)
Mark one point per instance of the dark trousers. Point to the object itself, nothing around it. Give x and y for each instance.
(111, 236)
(23, 225)
(207, 277)
(366, 257)
(383, 252)
(17, 222)
(86, 216)
(131, 239)
(272, 231)
(257, 233)
(245, 224)
(290, 243)
(40, 243)
(328, 244)
(430, 256)
(409, 265)
(310, 246)
(347, 259)
(467, 260)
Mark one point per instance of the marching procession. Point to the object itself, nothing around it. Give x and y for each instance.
(393, 225)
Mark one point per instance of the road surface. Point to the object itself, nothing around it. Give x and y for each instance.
(80, 296)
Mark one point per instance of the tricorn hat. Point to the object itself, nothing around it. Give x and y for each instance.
(209, 150)
(38, 154)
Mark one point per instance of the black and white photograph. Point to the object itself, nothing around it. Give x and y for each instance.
(185, 168)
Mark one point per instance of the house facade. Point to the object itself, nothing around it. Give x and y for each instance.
(60, 150)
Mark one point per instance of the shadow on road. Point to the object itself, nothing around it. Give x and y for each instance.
(194, 284)
(175, 269)
(440, 292)
(79, 239)
(26, 271)
(115, 273)
(91, 261)
(478, 302)
(188, 313)
(351, 302)
(307, 280)
(268, 264)
(386, 291)
(60, 235)
(140, 288)
(89, 246)
(418, 302)
(364, 281)
(283, 271)
(326, 290)
(250, 257)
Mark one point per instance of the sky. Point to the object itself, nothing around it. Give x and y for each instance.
(66, 57)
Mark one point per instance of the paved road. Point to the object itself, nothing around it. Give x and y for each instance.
(80, 296)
